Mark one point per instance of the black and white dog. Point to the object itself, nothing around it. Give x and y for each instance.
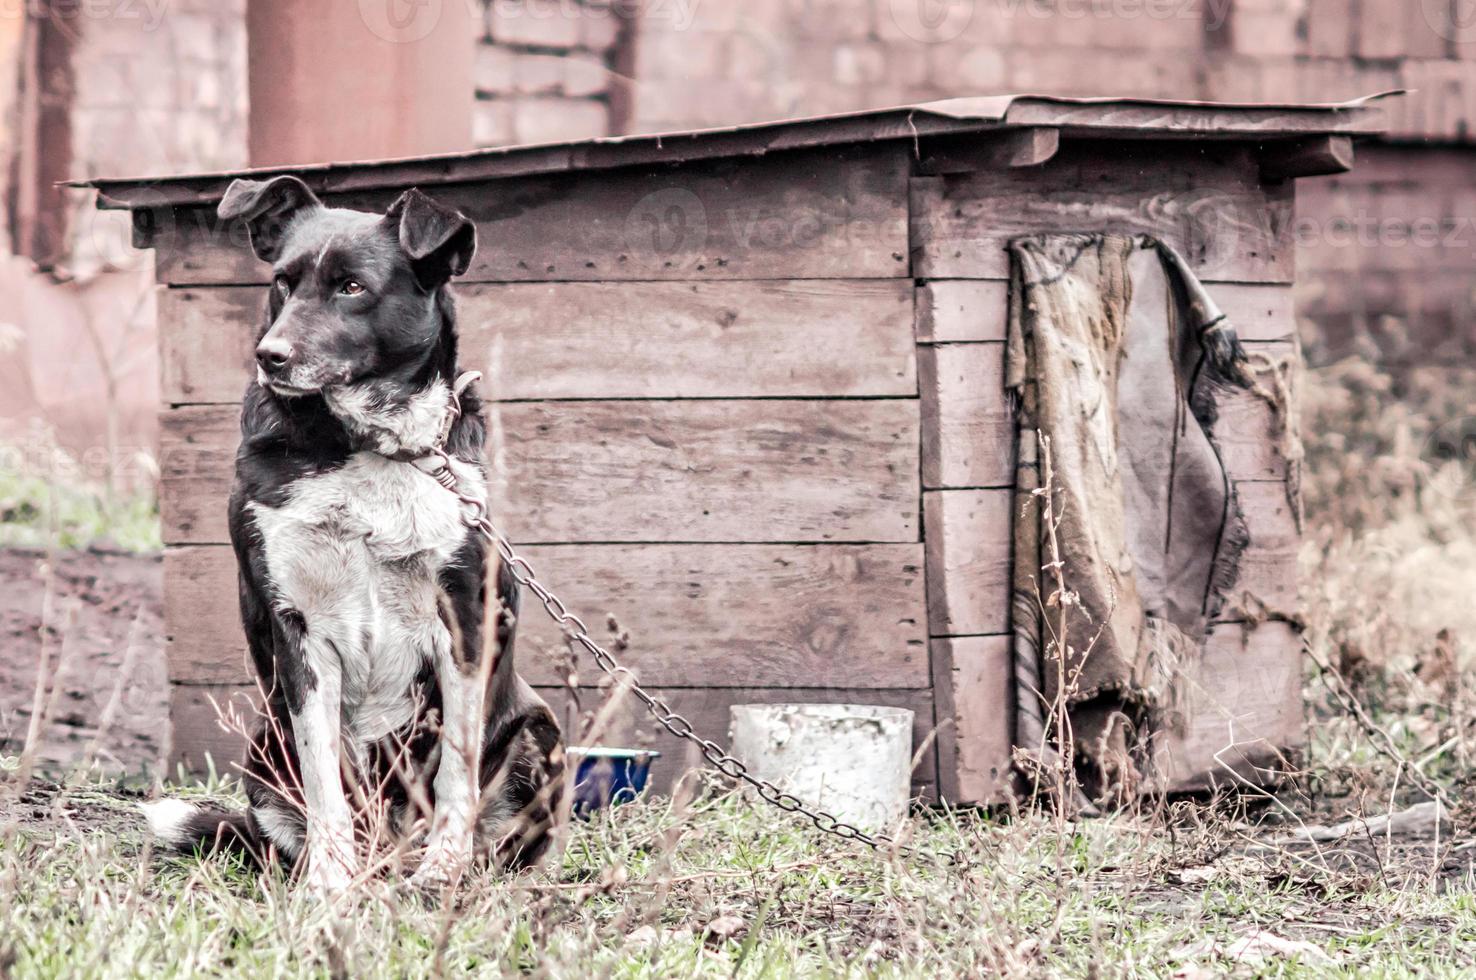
(363, 590)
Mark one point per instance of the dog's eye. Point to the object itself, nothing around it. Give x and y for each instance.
(351, 287)
(283, 286)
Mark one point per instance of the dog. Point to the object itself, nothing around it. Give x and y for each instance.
(363, 590)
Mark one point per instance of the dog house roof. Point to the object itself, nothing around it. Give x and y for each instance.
(1091, 117)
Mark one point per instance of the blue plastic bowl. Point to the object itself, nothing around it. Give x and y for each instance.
(604, 777)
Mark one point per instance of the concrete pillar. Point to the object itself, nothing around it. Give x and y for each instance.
(337, 80)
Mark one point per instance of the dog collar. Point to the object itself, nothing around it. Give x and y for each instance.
(453, 412)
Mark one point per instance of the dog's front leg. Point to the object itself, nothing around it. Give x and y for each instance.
(313, 682)
(462, 674)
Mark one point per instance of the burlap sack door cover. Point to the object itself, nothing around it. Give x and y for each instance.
(1115, 354)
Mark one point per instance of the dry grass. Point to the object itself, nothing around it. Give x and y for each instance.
(722, 890)
(1388, 568)
(713, 887)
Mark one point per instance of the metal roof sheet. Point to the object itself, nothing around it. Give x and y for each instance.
(1106, 117)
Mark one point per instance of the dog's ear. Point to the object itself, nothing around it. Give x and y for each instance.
(439, 241)
(268, 206)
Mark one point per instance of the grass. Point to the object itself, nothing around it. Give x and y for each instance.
(53, 506)
(718, 887)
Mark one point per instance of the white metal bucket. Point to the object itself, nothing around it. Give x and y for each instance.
(854, 760)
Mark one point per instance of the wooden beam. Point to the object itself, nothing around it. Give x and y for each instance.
(758, 471)
(968, 538)
(1313, 156)
(828, 213)
(722, 339)
(974, 695)
(1030, 146)
(967, 310)
(196, 710)
(968, 430)
(1207, 202)
(697, 615)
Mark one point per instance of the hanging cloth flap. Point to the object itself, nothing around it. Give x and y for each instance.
(1115, 353)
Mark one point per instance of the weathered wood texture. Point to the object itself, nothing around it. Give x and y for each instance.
(769, 338)
(632, 471)
(1243, 704)
(969, 535)
(1310, 156)
(975, 694)
(714, 427)
(707, 710)
(1205, 200)
(698, 615)
(1136, 120)
(1268, 568)
(1242, 707)
(711, 471)
(968, 432)
(208, 725)
(812, 214)
(198, 727)
(955, 310)
(1026, 147)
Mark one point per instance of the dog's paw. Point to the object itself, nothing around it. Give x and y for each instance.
(328, 875)
(439, 870)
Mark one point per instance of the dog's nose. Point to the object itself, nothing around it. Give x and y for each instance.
(272, 354)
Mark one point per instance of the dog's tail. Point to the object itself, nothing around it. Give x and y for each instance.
(189, 827)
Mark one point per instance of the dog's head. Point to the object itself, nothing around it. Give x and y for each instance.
(354, 294)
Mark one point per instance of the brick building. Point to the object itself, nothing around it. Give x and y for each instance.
(125, 86)
(87, 89)
(1388, 257)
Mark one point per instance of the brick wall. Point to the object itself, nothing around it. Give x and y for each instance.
(168, 95)
(1387, 257)
(705, 64)
(153, 90)
(545, 71)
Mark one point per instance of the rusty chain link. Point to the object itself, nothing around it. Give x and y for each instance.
(475, 516)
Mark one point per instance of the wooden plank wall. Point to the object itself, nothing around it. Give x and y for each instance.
(737, 397)
(708, 404)
(1208, 202)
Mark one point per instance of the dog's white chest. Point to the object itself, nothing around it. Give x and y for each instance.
(357, 552)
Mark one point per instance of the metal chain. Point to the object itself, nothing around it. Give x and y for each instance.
(475, 516)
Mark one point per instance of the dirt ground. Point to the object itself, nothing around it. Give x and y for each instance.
(1230, 875)
(99, 616)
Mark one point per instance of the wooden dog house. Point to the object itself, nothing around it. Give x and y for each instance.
(750, 397)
